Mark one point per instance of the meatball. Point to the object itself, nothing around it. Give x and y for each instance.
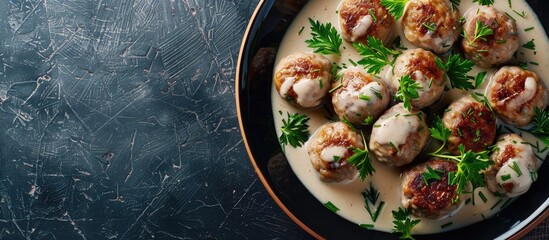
(329, 149)
(420, 65)
(398, 136)
(303, 79)
(362, 18)
(432, 198)
(358, 97)
(514, 162)
(514, 93)
(488, 50)
(431, 24)
(472, 124)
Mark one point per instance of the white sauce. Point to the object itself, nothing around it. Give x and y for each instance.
(348, 197)
(330, 153)
(530, 88)
(400, 128)
(308, 92)
(286, 86)
(362, 27)
(521, 183)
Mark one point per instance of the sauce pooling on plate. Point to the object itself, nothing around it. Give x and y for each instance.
(347, 198)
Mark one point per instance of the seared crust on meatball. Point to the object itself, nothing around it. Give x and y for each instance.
(329, 149)
(359, 96)
(494, 49)
(398, 136)
(303, 79)
(434, 199)
(431, 24)
(357, 22)
(502, 177)
(473, 125)
(420, 65)
(514, 93)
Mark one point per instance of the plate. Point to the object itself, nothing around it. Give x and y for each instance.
(253, 92)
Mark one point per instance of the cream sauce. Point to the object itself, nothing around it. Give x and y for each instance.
(348, 197)
(395, 129)
(530, 89)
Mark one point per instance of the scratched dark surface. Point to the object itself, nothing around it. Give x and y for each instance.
(118, 121)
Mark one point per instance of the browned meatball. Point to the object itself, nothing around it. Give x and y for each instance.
(420, 65)
(493, 49)
(303, 79)
(473, 125)
(330, 147)
(359, 96)
(503, 177)
(398, 136)
(514, 93)
(434, 199)
(362, 18)
(431, 24)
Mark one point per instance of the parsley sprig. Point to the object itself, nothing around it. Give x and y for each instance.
(403, 224)
(469, 164)
(541, 125)
(481, 32)
(371, 195)
(456, 69)
(375, 55)
(325, 38)
(439, 132)
(295, 130)
(395, 7)
(407, 91)
(361, 160)
(431, 174)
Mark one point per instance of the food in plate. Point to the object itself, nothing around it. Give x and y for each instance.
(514, 167)
(431, 24)
(358, 97)
(362, 18)
(426, 191)
(471, 123)
(399, 135)
(329, 150)
(437, 121)
(490, 36)
(303, 79)
(420, 65)
(515, 93)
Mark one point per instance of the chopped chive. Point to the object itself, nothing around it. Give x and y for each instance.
(467, 201)
(377, 125)
(392, 144)
(497, 203)
(364, 97)
(505, 177)
(509, 16)
(543, 150)
(430, 83)
(373, 14)
(337, 158)
(446, 225)
(530, 45)
(534, 176)
(352, 62)
(346, 121)
(529, 29)
(300, 31)
(320, 83)
(335, 88)
(377, 93)
(430, 26)
(483, 217)
(367, 226)
(534, 63)
(481, 195)
(331, 206)
(516, 168)
(521, 14)
(459, 132)
(500, 41)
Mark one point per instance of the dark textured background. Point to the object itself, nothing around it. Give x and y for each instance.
(118, 121)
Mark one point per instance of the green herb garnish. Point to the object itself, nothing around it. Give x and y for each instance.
(295, 130)
(331, 206)
(361, 160)
(371, 196)
(375, 55)
(530, 45)
(431, 174)
(395, 7)
(440, 132)
(541, 125)
(484, 2)
(456, 70)
(325, 38)
(407, 91)
(481, 32)
(403, 224)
